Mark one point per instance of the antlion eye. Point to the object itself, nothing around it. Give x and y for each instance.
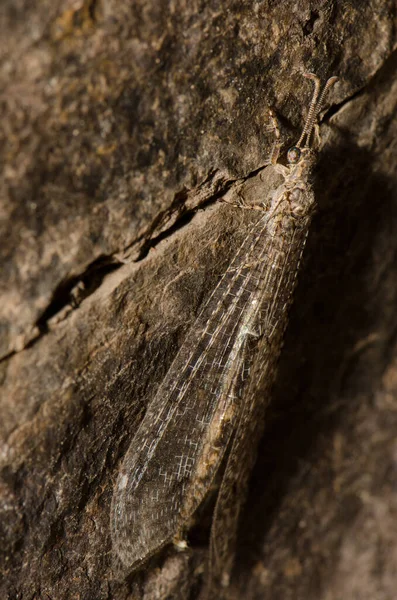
(297, 210)
(293, 155)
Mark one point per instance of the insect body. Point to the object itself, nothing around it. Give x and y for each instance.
(208, 403)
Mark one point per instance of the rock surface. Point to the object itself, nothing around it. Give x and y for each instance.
(123, 124)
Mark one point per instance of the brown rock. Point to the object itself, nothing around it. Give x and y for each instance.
(122, 126)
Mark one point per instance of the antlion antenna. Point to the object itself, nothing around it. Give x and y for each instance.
(315, 106)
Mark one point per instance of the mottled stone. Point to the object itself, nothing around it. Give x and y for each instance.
(122, 125)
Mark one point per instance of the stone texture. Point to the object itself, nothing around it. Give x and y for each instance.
(122, 126)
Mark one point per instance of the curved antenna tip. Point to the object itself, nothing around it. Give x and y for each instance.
(315, 105)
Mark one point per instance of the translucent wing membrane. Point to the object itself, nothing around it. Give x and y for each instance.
(181, 441)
